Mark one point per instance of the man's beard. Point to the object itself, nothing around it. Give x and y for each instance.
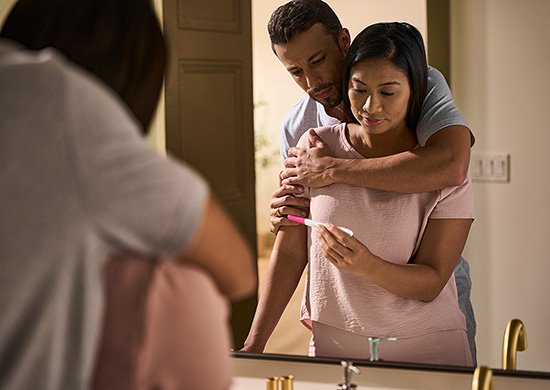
(333, 100)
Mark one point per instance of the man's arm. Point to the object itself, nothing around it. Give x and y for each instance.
(442, 162)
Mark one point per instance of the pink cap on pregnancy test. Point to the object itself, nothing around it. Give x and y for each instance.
(311, 223)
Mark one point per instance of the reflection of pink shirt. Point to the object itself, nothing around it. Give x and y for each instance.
(391, 225)
(165, 327)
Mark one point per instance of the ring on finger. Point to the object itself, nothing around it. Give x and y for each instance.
(278, 212)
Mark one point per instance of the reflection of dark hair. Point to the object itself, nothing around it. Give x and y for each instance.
(402, 45)
(297, 16)
(119, 41)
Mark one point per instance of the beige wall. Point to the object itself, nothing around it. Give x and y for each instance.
(5, 7)
(157, 133)
(500, 65)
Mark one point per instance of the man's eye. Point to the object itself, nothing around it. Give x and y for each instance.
(318, 61)
(296, 72)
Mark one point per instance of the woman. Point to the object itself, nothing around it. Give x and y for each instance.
(97, 219)
(393, 277)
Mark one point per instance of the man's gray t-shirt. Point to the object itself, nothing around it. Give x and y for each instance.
(77, 183)
(438, 111)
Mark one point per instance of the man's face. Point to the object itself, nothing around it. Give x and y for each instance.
(316, 61)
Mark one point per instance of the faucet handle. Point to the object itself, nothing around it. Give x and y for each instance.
(348, 369)
(374, 346)
(515, 339)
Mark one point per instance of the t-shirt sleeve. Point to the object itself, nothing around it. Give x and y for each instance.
(455, 202)
(291, 129)
(303, 116)
(139, 201)
(438, 110)
(286, 140)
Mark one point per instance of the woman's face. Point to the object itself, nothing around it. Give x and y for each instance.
(379, 93)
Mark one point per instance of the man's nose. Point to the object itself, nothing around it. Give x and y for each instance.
(313, 80)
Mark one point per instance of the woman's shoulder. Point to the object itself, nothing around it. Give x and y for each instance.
(329, 134)
(331, 130)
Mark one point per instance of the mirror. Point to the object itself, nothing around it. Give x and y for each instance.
(499, 81)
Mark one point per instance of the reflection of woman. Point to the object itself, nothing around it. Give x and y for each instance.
(393, 278)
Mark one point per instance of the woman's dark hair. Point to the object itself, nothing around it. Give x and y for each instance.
(119, 41)
(297, 16)
(402, 45)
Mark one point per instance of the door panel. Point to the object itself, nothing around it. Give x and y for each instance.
(209, 109)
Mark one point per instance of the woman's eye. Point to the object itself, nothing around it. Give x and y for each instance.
(388, 93)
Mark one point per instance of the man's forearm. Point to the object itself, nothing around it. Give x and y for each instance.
(443, 162)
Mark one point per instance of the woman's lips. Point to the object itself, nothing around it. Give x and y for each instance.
(372, 121)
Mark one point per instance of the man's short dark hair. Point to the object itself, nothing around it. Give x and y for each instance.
(297, 16)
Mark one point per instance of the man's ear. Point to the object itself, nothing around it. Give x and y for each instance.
(344, 40)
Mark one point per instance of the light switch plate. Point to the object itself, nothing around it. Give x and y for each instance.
(490, 167)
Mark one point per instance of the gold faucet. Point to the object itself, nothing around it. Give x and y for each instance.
(515, 339)
(483, 378)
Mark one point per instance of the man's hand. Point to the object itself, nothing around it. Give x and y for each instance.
(283, 202)
(309, 167)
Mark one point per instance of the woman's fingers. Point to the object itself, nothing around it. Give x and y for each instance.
(283, 203)
(333, 243)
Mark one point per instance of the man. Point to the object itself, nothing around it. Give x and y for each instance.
(309, 40)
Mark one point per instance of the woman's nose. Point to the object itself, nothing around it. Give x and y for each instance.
(372, 105)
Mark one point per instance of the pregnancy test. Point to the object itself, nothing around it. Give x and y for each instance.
(311, 223)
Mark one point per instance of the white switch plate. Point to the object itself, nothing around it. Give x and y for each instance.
(490, 167)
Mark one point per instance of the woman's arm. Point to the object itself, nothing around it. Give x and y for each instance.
(286, 265)
(423, 279)
(221, 250)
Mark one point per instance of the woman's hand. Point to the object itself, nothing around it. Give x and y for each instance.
(343, 251)
(285, 201)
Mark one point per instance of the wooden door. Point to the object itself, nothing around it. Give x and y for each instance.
(209, 109)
